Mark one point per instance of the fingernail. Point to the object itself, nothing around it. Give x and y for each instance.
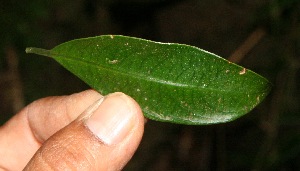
(111, 118)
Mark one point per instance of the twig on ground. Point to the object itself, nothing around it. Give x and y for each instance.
(247, 45)
(15, 79)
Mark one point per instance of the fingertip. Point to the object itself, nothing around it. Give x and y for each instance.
(115, 116)
(104, 137)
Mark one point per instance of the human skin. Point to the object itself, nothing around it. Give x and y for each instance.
(83, 131)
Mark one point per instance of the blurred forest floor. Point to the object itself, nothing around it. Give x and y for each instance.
(262, 35)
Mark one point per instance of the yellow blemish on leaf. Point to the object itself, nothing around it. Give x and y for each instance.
(243, 71)
(113, 61)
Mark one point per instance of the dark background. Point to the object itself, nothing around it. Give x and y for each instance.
(262, 35)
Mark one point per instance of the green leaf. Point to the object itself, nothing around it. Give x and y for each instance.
(171, 82)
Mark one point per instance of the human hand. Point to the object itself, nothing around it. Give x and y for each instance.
(83, 131)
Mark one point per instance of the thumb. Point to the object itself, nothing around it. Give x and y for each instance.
(104, 137)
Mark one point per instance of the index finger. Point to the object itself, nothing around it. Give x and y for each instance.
(23, 134)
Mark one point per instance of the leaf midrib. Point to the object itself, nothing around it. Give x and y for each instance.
(143, 77)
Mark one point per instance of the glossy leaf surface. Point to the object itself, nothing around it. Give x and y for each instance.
(171, 82)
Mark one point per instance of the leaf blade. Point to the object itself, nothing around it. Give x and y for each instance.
(172, 82)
